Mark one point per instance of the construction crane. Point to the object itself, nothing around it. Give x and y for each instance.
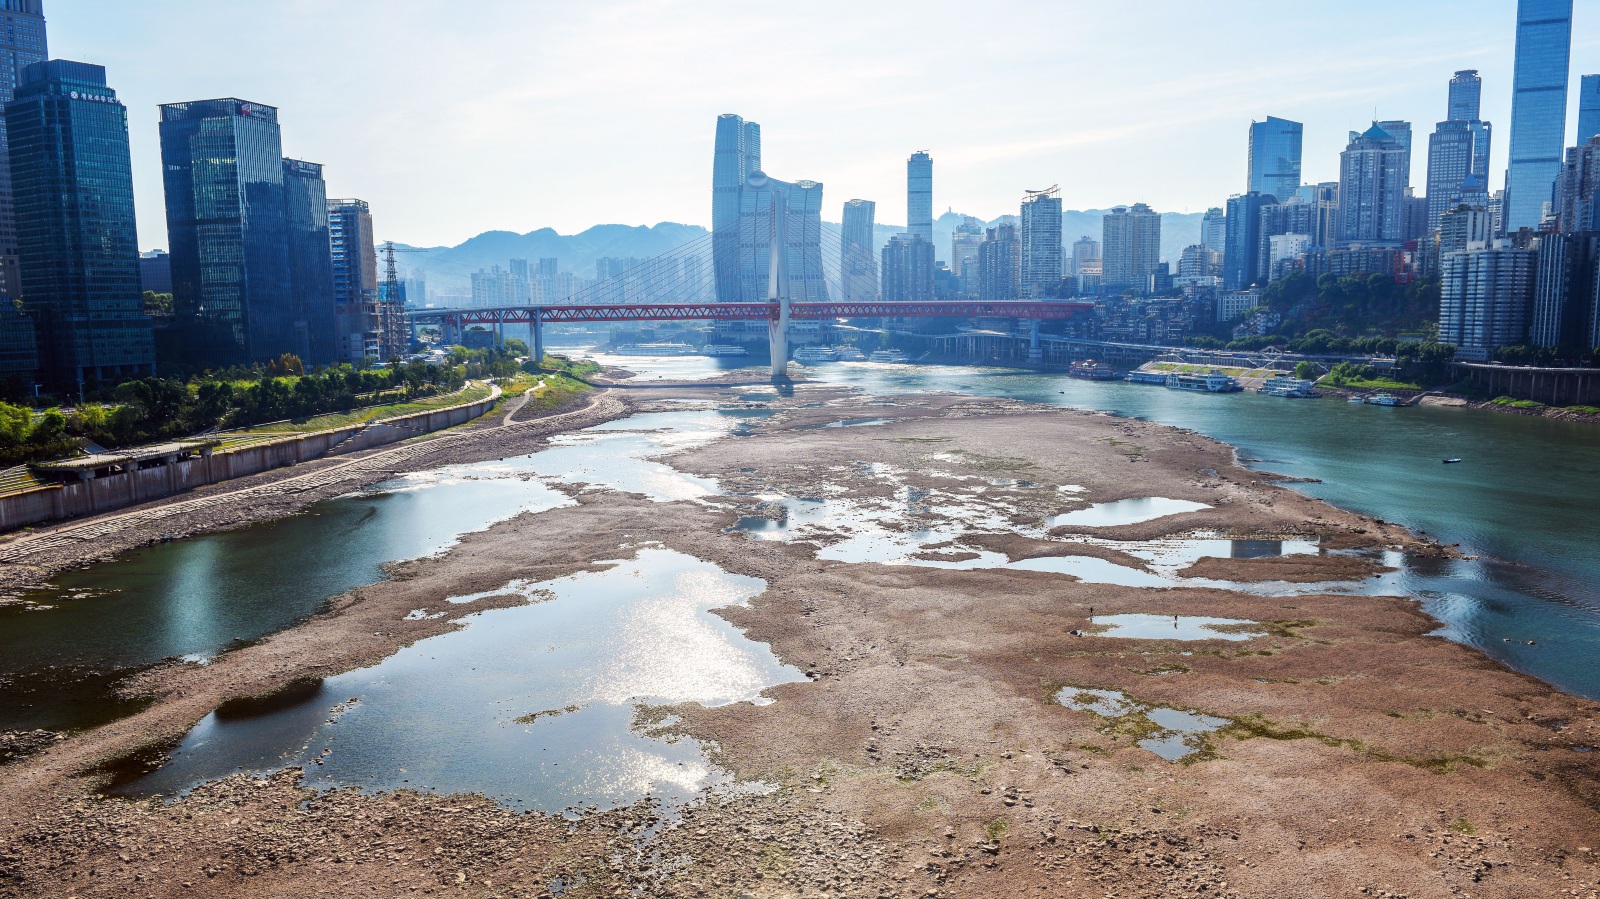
(394, 325)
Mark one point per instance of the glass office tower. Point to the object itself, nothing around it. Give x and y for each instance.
(858, 264)
(919, 196)
(22, 43)
(1275, 149)
(310, 261)
(738, 156)
(228, 232)
(77, 242)
(1538, 109)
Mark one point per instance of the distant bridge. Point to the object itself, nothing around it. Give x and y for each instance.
(774, 313)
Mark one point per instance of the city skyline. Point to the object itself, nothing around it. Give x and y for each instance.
(433, 147)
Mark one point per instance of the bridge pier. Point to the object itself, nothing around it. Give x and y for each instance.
(778, 342)
(538, 337)
(1035, 351)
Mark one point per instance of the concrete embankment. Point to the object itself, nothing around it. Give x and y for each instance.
(106, 490)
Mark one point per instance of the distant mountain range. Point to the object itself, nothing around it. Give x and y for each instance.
(449, 269)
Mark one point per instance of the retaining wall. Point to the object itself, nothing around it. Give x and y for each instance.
(105, 494)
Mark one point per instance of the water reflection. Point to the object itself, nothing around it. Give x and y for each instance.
(534, 706)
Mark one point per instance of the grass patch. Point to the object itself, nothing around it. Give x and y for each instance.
(1510, 403)
(996, 829)
(1584, 410)
(1160, 670)
(1259, 727)
(1368, 384)
(558, 390)
(470, 394)
(992, 463)
(1463, 827)
(582, 368)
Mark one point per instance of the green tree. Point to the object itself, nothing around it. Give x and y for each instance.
(1305, 371)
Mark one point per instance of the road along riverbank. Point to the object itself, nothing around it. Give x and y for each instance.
(1038, 652)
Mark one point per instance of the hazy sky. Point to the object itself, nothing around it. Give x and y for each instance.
(454, 117)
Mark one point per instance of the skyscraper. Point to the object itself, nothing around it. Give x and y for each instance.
(858, 264)
(908, 269)
(1401, 132)
(1132, 247)
(310, 261)
(1282, 220)
(964, 244)
(1484, 300)
(1240, 260)
(22, 43)
(1214, 229)
(1372, 190)
(1085, 255)
(1041, 243)
(1578, 189)
(1275, 148)
(1564, 291)
(358, 330)
(1458, 151)
(738, 155)
(228, 232)
(1000, 265)
(72, 183)
(1588, 109)
(1538, 109)
(919, 196)
(801, 228)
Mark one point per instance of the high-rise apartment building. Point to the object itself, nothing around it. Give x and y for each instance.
(227, 231)
(1464, 228)
(1214, 229)
(1275, 151)
(1564, 292)
(743, 219)
(77, 241)
(549, 268)
(1241, 265)
(22, 43)
(1458, 151)
(1484, 300)
(1538, 109)
(1132, 247)
(358, 330)
(908, 269)
(919, 196)
(1041, 243)
(1278, 220)
(1372, 189)
(1000, 265)
(1401, 132)
(1578, 189)
(310, 262)
(964, 244)
(1588, 109)
(1085, 255)
(858, 264)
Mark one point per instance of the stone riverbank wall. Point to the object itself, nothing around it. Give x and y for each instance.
(103, 491)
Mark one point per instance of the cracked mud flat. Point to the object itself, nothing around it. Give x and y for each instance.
(926, 755)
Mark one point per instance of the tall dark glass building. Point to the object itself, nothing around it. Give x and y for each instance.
(310, 261)
(22, 43)
(72, 183)
(1538, 109)
(1275, 153)
(227, 227)
(738, 156)
(1458, 151)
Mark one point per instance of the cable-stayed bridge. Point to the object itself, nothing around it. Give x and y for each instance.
(682, 285)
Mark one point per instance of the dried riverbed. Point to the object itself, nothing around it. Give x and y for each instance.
(927, 752)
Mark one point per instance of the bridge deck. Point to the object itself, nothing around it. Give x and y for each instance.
(557, 314)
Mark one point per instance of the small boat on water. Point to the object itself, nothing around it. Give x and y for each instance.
(889, 357)
(1359, 400)
(1452, 461)
(1292, 388)
(1385, 399)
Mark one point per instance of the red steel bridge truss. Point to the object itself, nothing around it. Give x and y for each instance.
(534, 315)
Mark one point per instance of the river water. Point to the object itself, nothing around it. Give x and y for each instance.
(1523, 500)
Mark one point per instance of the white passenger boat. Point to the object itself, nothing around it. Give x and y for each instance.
(815, 355)
(889, 357)
(655, 349)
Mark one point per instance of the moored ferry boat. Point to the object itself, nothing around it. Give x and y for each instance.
(1155, 378)
(847, 353)
(1209, 382)
(1385, 399)
(1092, 371)
(655, 349)
(717, 350)
(815, 355)
(889, 357)
(1291, 388)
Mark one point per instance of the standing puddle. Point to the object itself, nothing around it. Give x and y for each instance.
(1175, 627)
(534, 706)
(1124, 512)
(1177, 735)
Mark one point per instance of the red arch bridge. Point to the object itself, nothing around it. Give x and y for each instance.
(773, 312)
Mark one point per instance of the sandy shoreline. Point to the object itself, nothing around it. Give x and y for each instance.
(926, 755)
